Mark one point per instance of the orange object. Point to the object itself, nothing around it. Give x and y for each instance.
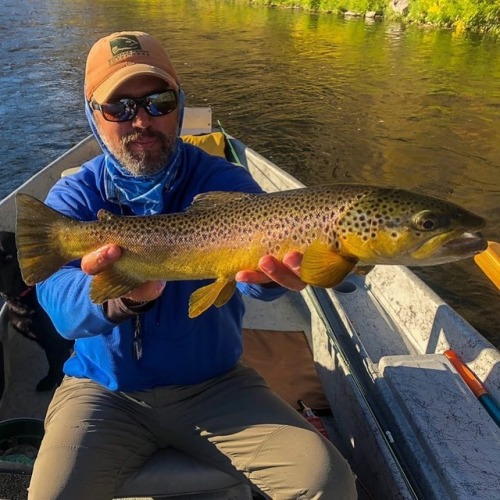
(489, 262)
(312, 418)
(475, 385)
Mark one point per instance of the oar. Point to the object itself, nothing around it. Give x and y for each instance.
(489, 262)
(475, 385)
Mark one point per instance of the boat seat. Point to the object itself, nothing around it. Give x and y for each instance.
(170, 473)
(441, 428)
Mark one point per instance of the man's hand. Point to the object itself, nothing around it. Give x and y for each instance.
(286, 273)
(95, 262)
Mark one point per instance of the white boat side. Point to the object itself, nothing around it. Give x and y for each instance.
(403, 417)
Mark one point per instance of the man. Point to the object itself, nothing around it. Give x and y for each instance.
(145, 376)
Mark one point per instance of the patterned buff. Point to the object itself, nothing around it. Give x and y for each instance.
(144, 194)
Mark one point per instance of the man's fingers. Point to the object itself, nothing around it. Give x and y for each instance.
(95, 262)
(293, 260)
(150, 290)
(281, 273)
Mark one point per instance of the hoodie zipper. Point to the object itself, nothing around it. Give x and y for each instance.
(137, 342)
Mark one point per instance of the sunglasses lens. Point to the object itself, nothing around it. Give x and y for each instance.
(162, 104)
(119, 111)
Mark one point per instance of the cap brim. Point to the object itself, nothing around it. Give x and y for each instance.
(108, 87)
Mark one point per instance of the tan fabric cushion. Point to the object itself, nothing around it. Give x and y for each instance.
(285, 361)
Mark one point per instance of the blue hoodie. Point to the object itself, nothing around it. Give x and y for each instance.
(175, 349)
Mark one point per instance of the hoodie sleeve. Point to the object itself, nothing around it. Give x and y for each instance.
(65, 297)
(260, 292)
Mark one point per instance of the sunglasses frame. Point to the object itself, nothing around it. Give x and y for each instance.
(134, 104)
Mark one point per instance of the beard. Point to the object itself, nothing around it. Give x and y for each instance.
(147, 162)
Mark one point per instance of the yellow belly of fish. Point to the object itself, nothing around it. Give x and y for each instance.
(193, 264)
(321, 266)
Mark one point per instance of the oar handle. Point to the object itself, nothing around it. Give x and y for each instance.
(489, 262)
(475, 385)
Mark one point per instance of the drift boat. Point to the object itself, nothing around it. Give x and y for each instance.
(384, 348)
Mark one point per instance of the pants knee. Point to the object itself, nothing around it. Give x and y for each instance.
(307, 466)
(327, 475)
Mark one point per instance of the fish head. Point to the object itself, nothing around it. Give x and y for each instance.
(391, 226)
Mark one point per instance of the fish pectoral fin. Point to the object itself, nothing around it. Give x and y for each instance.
(111, 284)
(217, 293)
(323, 267)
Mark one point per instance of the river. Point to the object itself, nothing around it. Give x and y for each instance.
(327, 99)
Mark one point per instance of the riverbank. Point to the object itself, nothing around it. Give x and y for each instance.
(474, 16)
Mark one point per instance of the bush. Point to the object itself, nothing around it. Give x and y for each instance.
(463, 15)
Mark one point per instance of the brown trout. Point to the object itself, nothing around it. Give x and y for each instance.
(336, 228)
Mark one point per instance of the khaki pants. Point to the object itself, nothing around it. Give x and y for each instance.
(95, 438)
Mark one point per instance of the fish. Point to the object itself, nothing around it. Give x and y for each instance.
(337, 228)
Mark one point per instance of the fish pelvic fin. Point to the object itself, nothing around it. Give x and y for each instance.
(323, 267)
(37, 225)
(111, 284)
(216, 293)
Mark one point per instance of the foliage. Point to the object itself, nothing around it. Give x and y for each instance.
(461, 15)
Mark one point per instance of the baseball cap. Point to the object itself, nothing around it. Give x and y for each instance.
(120, 56)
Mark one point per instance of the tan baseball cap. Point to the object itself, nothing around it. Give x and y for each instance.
(120, 56)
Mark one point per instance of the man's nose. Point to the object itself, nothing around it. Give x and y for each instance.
(142, 119)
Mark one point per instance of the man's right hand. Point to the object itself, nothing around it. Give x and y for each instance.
(96, 261)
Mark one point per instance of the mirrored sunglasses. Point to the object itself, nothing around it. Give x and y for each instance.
(124, 110)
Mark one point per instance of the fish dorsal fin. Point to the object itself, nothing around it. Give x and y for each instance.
(212, 199)
(323, 267)
(104, 215)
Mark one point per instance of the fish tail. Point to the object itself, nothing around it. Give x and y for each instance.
(37, 225)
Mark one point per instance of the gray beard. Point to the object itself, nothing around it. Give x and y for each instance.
(146, 162)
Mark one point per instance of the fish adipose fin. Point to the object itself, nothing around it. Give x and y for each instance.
(39, 254)
(323, 267)
(217, 293)
(111, 284)
(106, 215)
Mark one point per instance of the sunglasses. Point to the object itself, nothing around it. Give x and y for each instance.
(124, 110)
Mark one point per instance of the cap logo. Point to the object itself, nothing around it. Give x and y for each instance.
(125, 46)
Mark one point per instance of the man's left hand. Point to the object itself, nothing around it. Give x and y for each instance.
(286, 273)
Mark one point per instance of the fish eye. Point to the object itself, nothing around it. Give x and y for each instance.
(427, 221)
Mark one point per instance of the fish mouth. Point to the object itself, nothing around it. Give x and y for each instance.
(456, 248)
(469, 243)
